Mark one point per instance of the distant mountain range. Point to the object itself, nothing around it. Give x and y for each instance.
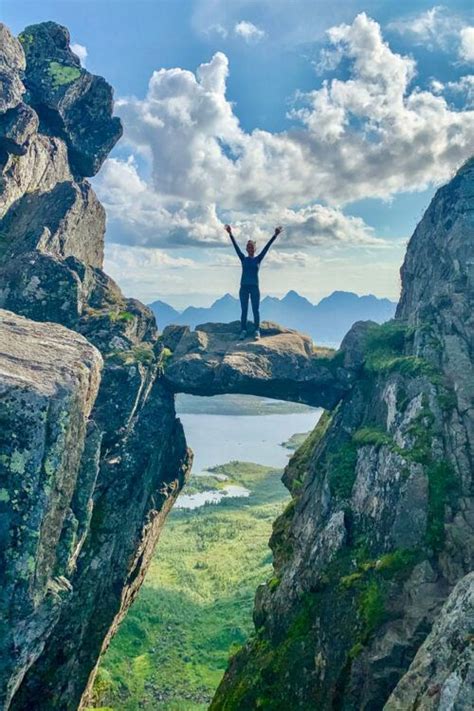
(326, 322)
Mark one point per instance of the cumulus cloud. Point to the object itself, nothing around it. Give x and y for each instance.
(371, 135)
(248, 31)
(435, 27)
(317, 225)
(466, 46)
(137, 214)
(80, 51)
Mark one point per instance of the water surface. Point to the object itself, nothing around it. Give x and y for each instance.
(217, 439)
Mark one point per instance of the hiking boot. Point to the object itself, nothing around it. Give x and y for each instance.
(243, 335)
(257, 334)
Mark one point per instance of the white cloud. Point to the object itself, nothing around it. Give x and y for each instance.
(146, 272)
(371, 135)
(134, 258)
(80, 51)
(138, 215)
(248, 31)
(466, 46)
(316, 225)
(436, 27)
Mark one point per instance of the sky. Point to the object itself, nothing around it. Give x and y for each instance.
(336, 120)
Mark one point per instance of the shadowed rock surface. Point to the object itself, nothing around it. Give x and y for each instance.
(442, 674)
(283, 364)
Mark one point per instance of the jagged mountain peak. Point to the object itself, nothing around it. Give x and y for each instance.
(224, 300)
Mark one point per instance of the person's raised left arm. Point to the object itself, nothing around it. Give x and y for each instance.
(269, 244)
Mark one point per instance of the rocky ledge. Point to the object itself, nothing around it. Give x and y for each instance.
(282, 364)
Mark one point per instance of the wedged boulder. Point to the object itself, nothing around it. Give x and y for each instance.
(283, 364)
(441, 676)
(49, 378)
(75, 104)
(66, 221)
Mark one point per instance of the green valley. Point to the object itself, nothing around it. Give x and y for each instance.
(195, 606)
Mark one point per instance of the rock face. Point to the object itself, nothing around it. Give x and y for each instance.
(381, 525)
(49, 378)
(442, 674)
(84, 491)
(284, 364)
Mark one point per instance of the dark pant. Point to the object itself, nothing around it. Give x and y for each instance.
(254, 293)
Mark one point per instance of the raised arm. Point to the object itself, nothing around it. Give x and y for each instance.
(240, 254)
(269, 244)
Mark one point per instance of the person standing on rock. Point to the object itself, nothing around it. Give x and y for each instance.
(249, 281)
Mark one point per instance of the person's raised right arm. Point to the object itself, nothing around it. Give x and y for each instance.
(240, 254)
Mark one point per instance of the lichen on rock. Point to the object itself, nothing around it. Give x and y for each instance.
(49, 379)
(84, 491)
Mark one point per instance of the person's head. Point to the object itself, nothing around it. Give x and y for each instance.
(251, 245)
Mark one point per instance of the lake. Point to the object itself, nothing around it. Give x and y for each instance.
(217, 439)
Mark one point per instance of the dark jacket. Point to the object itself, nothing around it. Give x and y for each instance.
(251, 265)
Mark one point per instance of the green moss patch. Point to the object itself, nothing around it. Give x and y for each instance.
(297, 468)
(121, 316)
(441, 484)
(61, 74)
(385, 348)
(372, 436)
(341, 467)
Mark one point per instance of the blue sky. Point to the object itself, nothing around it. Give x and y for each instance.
(230, 146)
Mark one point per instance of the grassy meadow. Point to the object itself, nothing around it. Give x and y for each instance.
(195, 606)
